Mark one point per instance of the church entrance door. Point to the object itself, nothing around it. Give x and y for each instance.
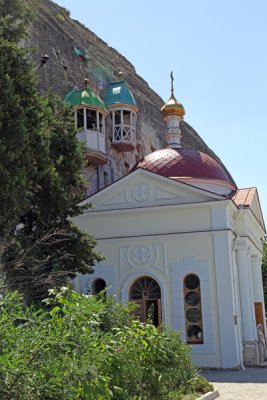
(145, 292)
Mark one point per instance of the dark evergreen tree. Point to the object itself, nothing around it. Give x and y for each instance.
(48, 248)
(23, 119)
(40, 171)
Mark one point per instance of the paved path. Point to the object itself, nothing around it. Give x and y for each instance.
(250, 384)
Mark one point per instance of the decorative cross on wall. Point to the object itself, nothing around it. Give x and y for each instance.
(141, 255)
(141, 192)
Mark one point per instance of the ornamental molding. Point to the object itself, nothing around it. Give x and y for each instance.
(255, 259)
(142, 256)
(141, 192)
(242, 244)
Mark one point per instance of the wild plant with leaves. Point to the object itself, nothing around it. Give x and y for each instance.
(65, 351)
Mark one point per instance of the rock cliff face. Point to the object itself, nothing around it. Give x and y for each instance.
(55, 34)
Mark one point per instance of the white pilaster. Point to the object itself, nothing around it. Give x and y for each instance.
(246, 290)
(230, 355)
(257, 277)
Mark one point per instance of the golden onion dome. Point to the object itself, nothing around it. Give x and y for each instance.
(173, 106)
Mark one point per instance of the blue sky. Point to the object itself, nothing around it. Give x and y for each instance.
(217, 51)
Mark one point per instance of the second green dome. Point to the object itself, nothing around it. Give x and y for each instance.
(118, 93)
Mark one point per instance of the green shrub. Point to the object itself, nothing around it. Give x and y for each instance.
(83, 347)
(201, 385)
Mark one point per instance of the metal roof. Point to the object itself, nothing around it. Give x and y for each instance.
(174, 163)
(118, 93)
(85, 97)
(244, 197)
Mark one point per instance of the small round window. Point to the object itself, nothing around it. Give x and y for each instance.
(191, 282)
(193, 315)
(192, 298)
(194, 332)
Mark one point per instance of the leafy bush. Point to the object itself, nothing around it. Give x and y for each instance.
(83, 347)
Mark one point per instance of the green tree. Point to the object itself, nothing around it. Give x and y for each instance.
(40, 170)
(22, 118)
(48, 248)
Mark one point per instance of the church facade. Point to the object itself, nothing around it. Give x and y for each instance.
(179, 238)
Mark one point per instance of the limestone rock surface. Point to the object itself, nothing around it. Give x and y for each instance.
(55, 34)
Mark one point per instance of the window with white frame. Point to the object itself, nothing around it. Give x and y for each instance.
(193, 310)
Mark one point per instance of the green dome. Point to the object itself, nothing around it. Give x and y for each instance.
(118, 93)
(85, 97)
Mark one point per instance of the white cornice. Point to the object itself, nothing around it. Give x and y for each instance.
(210, 204)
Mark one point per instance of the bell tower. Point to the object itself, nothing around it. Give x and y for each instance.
(90, 113)
(123, 109)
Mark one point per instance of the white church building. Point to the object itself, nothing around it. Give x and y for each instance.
(178, 235)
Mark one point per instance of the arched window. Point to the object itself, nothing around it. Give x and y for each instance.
(193, 310)
(146, 292)
(98, 286)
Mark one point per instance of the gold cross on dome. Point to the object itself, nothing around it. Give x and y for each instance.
(172, 79)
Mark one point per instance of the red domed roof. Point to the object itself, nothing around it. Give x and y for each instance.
(175, 163)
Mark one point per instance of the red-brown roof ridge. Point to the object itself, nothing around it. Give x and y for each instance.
(244, 197)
